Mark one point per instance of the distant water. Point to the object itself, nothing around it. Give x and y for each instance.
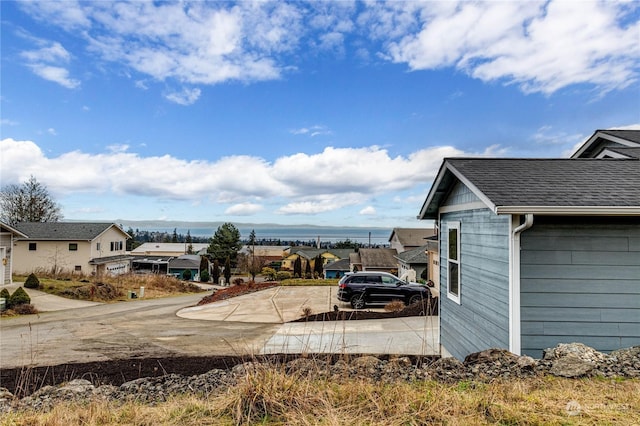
(377, 236)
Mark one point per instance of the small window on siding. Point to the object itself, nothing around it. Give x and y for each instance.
(32, 246)
(98, 247)
(453, 262)
(73, 246)
(78, 268)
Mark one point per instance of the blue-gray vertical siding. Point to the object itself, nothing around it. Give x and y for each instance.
(481, 320)
(580, 282)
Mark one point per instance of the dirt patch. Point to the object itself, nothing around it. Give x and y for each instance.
(236, 290)
(418, 309)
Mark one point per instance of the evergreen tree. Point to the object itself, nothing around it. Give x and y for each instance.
(307, 270)
(297, 267)
(225, 243)
(204, 263)
(174, 236)
(227, 271)
(215, 271)
(317, 266)
(189, 242)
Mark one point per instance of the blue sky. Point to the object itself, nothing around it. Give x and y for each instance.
(328, 113)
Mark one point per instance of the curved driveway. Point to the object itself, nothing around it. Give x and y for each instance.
(245, 325)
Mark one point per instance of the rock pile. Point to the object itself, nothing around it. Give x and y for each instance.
(565, 360)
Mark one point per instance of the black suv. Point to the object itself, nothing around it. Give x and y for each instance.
(362, 288)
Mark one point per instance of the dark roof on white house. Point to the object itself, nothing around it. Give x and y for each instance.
(542, 186)
(602, 139)
(64, 230)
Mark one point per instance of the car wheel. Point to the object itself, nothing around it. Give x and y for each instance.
(415, 299)
(357, 301)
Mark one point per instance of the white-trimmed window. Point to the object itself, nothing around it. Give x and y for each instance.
(453, 261)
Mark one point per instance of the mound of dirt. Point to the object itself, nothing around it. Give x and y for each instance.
(416, 310)
(235, 290)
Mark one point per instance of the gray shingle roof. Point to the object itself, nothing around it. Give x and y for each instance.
(548, 183)
(63, 230)
(378, 258)
(411, 237)
(414, 256)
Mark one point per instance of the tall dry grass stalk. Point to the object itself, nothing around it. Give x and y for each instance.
(274, 396)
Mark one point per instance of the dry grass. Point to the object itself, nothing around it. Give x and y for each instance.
(394, 306)
(155, 285)
(272, 396)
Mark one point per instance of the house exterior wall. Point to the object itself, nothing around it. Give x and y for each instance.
(580, 282)
(51, 255)
(101, 245)
(481, 319)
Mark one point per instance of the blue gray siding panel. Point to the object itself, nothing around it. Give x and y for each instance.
(460, 194)
(580, 282)
(481, 320)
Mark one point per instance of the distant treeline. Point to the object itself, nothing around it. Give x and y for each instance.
(141, 237)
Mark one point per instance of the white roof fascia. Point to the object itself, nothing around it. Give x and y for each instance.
(571, 210)
(432, 191)
(599, 134)
(611, 154)
(473, 188)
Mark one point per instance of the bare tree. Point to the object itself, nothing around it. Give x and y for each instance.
(251, 264)
(29, 202)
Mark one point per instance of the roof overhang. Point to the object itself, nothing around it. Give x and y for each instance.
(13, 230)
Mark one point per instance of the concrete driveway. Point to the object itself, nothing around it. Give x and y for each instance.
(66, 332)
(45, 302)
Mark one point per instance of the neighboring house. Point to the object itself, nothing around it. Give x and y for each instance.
(309, 254)
(374, 259)
(535, 252)
(434, 260)
(412, 264)
(403, 239)
(8, 235)
(178, 265)
(150, 264)
(268, 253)
(86, 248)
(168, 249)
(336, 269)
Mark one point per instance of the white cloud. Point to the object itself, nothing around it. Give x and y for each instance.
(52, 131)
(541, 46)
(368, 211)
(47, 60)
(184, 97)
(627, 127)
(244, 209)
(7, 122)
(299, 183)
(312, 131)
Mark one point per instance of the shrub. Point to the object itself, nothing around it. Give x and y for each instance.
(238, 281)
(394, 306)
(186, 275)
(19, 297)
(25, 309)
(204, 276)
(7, 297)
(32, 281)
(270, 273)
(283, 275)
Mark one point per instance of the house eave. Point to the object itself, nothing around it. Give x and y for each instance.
(571, 210)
